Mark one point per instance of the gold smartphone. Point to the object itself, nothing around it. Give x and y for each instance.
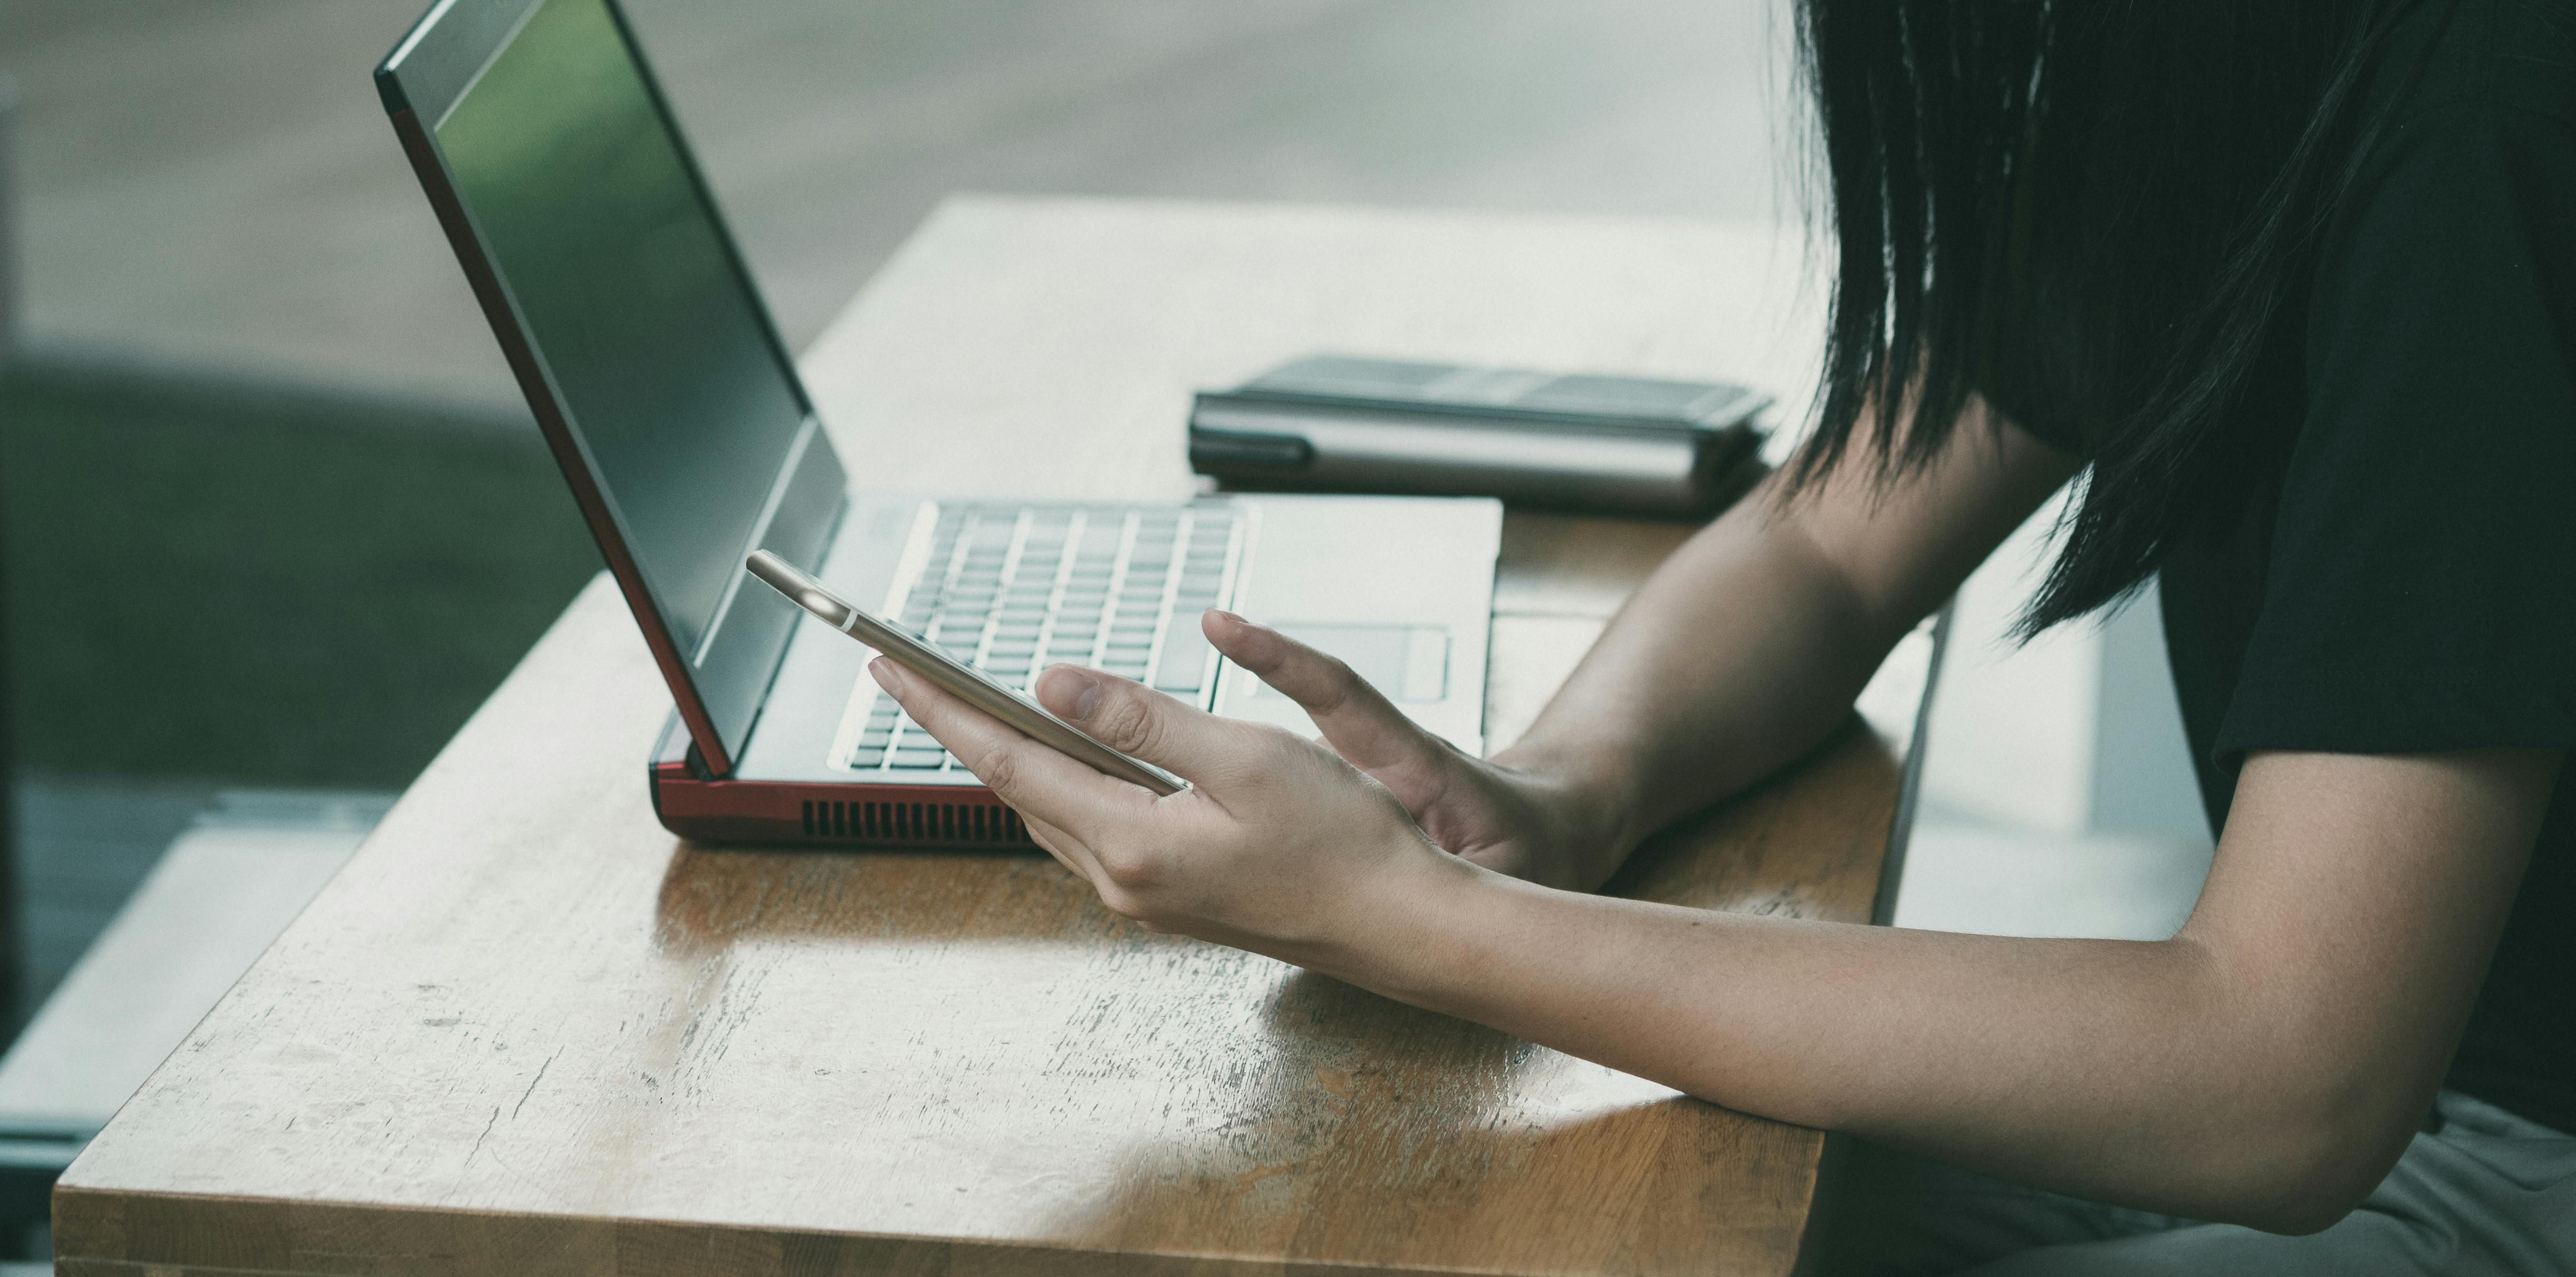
(964, 681)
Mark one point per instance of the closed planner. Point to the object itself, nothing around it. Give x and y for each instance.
(1592, 442)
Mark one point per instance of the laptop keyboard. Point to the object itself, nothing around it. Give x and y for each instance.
(1013, 589)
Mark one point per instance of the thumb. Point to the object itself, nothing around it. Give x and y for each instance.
(1136, 720)
(1356, 719)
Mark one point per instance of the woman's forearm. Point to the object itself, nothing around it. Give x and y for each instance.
(2105, 1068)
(1747, 646)
(1657, 726)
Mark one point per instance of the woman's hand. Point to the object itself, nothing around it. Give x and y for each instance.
(1280, 845)
(1526, 822)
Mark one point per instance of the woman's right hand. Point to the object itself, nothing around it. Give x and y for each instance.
(1530, 823)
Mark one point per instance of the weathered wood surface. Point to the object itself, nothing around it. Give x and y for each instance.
(526, 1031)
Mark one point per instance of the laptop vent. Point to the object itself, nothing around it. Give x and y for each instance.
(981, 824)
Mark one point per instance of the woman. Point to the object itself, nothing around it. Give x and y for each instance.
(2292, 287)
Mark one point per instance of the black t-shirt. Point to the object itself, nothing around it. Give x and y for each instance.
(2404, 578)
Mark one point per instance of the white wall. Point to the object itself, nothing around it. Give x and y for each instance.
(2012, 731)
(2143, 777)
(2058, 797)
(2074, 732)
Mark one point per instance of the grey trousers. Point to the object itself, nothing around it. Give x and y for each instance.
(2479, 1192)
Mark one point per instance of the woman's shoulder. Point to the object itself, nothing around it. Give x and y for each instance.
(2514, 57)
(2466, 126)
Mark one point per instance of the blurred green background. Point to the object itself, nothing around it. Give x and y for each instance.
(259, 586)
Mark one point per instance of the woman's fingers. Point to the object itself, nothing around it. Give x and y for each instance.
(1068, 851)
(1043, 785)
(1134, 719)
(1355, 718)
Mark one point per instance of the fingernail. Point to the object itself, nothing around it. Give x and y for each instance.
(1229, 616)
(886, 675)
(1086, 697)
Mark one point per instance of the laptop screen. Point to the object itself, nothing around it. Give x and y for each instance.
(657, 345)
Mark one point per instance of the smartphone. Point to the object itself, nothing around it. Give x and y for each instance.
(964, 681)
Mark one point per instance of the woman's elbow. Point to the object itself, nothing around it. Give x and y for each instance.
(2307, 1176)
(2300, 1209)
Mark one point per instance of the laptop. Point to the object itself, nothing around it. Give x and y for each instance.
(662, 387)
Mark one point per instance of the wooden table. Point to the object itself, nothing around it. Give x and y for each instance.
(526, 1031)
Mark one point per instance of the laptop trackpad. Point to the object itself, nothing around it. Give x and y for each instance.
(1410, 663)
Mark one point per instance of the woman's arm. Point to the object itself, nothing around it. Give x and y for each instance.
(2267, 1065)
(1747, 646)
(2264, 1066)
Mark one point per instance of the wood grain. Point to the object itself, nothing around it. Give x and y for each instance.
(526, 1031)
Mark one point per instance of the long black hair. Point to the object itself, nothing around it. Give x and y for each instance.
(2093, 213)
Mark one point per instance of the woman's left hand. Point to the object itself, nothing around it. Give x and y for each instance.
(1279, 846)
